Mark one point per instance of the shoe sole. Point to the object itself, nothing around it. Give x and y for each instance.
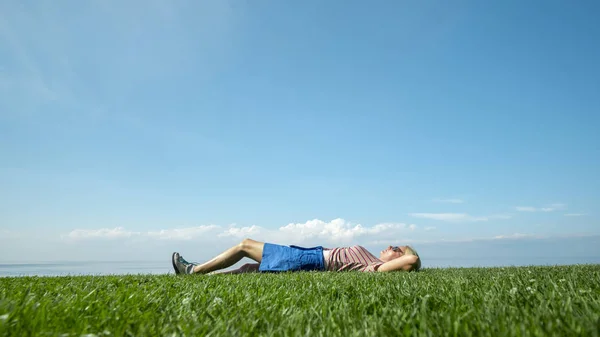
(174, 265)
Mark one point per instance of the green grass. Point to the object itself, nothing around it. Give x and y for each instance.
(515, 301)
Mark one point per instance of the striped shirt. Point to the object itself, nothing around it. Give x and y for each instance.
(351, 258)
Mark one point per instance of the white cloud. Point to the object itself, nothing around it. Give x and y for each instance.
(241, 232)
(102, 233)
(449, 201)
(122, 244)
(120, 233)
(339, 230)
(514, 236)
(387, 226)
(553, 207)
(335, 231)
(188, 233)
(458, 217)
(558, 206)
(441, 216)
(429, 228)
(548, 208)
(575, 214)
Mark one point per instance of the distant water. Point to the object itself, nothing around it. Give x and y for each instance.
(164, 267)
(85, 268)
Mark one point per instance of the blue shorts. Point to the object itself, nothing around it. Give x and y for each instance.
(291, 258)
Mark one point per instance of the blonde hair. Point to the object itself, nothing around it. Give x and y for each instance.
(411, 251)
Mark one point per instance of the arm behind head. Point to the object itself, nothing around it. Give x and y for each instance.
(408, 262)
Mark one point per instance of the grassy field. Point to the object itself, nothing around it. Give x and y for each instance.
(515, 301)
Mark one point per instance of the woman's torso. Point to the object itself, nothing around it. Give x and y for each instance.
(350, 258)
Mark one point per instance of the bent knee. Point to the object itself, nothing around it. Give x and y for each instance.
(246, 244)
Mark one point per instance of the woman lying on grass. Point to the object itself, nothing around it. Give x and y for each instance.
(276, 258)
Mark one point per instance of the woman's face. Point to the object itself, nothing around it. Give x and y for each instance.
(392, 252)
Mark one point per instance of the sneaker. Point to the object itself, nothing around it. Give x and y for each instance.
(180, 265)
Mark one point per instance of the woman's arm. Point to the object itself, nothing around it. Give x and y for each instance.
(405, 262)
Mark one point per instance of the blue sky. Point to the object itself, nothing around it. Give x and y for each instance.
(198, 123)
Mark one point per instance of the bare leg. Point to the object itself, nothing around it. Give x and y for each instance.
(246, 248)
(247, 268)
